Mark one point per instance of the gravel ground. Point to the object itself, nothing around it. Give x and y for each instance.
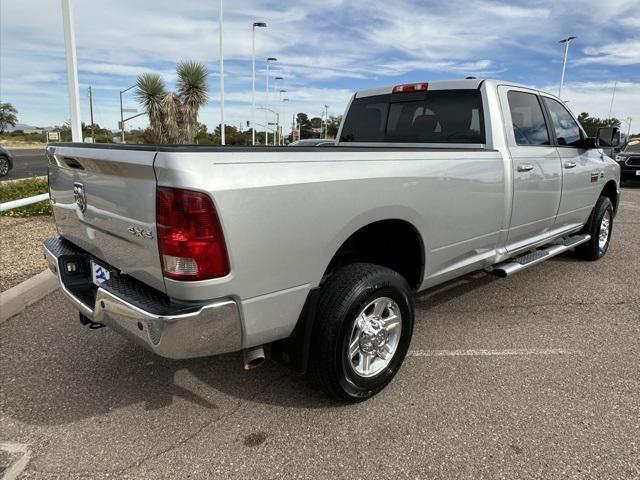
(21, 248)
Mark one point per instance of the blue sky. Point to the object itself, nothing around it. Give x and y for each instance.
(325, 49)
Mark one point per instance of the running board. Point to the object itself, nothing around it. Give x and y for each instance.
(520, 263)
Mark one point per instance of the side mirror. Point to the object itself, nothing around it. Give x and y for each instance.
(608, 137)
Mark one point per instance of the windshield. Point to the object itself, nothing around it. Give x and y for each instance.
(633, 146)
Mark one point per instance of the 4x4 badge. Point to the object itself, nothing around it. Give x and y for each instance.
(140, 232)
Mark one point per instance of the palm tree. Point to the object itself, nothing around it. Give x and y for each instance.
(174, 116)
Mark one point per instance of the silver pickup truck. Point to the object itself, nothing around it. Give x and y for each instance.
(311, 256)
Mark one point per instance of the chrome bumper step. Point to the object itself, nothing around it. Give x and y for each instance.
(537, 256)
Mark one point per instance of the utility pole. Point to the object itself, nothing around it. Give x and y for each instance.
(222, 126)
(93, 132)
(566, 42)
(72, 70)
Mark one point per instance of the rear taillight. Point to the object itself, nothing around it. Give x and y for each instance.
(190, 237)
(411, 87)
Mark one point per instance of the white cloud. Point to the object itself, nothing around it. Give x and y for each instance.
(325, 48)
(620, 53)
(595, 99)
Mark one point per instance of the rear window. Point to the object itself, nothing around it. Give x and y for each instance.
(439, 116)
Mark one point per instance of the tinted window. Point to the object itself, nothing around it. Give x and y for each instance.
(366, 120)
(528, 122)
(566, 128)
(440, 116)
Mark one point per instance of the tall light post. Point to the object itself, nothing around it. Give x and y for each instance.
(253, 78)
(284, 119)
(266, 114)
(222, 126)
(566, 42)
(613, 96)
(72, 70)
(279, 108)
(326, 121)
(122, 112)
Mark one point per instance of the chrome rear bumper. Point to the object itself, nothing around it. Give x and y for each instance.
(168, 328)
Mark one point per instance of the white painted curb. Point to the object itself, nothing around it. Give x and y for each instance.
(17, 298)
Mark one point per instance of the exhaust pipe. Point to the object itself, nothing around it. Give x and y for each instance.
(253, 357)
(86, 321)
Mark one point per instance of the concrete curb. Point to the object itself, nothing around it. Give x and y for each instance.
(17, 298)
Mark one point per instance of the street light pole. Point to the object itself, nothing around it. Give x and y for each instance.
(266, 114)
(326, 121)
(566, 42)
(72, 70)
(284, 119)
(222, 125)
(122, 112)
(275, 138)
(253, 78)
(93, 133)
(613, 95)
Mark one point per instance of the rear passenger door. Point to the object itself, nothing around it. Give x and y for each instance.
(536, 171)
(581, 168)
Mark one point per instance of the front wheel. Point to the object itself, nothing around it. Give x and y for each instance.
(362, 332)
(600, 227)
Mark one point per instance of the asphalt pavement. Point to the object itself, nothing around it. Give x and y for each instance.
(27, 162)
(534, 376)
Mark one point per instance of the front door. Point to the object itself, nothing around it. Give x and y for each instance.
(537, 175)
(581, 168)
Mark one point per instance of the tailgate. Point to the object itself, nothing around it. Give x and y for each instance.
(104, 201)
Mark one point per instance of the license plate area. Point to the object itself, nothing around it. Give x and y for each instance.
(637, 173)
(99, 273)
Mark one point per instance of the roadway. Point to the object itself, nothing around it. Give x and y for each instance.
(27, 162)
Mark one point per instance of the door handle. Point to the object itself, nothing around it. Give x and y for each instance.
(569, 164)
(525, 167)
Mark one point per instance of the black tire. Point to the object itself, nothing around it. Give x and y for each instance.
(4, 166)
(344, 296)
(592, 250)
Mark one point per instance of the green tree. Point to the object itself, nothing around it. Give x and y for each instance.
(303, 122)
(333, 125)
(591, 124)
(8, 116)
(173, 116)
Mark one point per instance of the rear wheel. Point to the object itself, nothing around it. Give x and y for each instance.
(600, 227)
(362, 332)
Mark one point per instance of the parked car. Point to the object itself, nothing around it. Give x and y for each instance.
(629, 160)
(313, 256)
(313, 142)
(6, 161)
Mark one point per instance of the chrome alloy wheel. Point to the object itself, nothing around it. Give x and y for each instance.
(605, 228)
(4, 166)
(374, 338)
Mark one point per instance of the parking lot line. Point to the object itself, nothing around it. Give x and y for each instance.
(483, 353)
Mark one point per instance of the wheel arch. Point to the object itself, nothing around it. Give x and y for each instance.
(391, 241)
(610, 190)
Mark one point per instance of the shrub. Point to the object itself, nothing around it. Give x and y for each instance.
(23, 189)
